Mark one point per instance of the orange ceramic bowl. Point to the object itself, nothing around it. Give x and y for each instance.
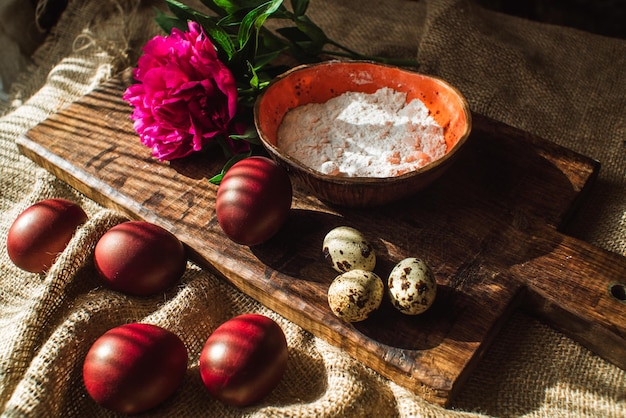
(317, 83)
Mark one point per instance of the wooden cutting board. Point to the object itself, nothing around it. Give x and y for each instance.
(488, 228)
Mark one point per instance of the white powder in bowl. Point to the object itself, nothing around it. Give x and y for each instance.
(362, 135)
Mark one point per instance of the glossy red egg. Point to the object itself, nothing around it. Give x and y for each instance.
(253, 200)
(244, 359)
(41, 232)
(139, 258)
(134, 367)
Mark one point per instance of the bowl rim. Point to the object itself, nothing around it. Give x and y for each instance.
(347, 180)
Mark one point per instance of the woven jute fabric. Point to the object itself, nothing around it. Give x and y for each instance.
(561, 84)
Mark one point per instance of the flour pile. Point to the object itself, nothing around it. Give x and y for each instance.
(363, 135)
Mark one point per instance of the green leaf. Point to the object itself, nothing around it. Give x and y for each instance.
(167, 22)
(217, 179)
(255, 19)
(230, 7)
(254, 140)
(302, 46)
(265, 58)
(182, 11)
(250, 133)
(311, 30)
(299, 7)
(250, 4)
(220, 38)
(271, 40)
(254, 81)
(307, 40)
(293, 34)
(230, 22)
(211, 4)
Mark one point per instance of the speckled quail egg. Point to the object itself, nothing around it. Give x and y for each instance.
(353, 295)
(347, 249)
(412, 286)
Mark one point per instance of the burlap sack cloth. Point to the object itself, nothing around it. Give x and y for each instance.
(564, 85)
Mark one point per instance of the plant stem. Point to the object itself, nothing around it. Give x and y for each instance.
(349, 53)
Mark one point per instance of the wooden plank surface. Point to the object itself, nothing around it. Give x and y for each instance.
(488, 228)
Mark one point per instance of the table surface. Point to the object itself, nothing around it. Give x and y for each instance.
(488, 228)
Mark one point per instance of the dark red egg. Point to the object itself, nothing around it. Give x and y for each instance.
(253, 200)
(134, 367)
(139, 258)
(41, 232)
(244, 359)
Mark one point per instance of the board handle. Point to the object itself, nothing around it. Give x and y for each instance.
(580, 290)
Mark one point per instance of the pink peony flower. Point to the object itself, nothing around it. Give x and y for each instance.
(186, 97)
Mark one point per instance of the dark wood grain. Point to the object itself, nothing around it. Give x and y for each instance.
(488, 228)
